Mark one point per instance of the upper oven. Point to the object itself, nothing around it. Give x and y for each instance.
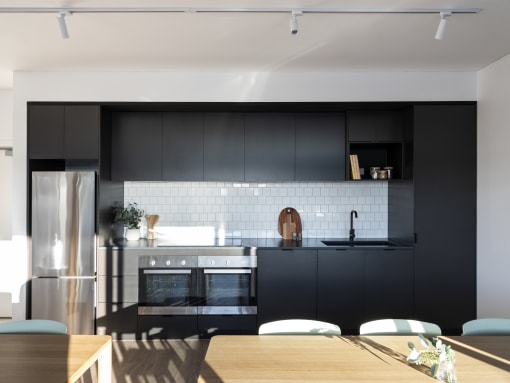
(227, 284)
(167, 285)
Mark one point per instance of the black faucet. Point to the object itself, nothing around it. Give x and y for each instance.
(354, 213)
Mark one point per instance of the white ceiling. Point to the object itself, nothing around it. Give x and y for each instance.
(252, 41)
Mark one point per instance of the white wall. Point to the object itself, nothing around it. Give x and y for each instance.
(7, 283)
(6, 164)
(235, 87)
(493, 208)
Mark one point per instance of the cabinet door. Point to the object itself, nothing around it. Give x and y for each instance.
(287, 284)
(183, 146)
(136, 146)
(375, 125)
(224, 146)
(320, 147)
(46, 125)
(82, 126)
(445, 213)
(389, 275)
(341, 288)
(270, 147)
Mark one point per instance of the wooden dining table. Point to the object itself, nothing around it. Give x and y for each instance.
(318, 358)
(48, 358)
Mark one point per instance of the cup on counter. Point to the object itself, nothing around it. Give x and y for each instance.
(373, 172)
(382, 174)
(389, 170)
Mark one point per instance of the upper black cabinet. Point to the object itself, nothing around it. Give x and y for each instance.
(376, 137)
(270, 148)
(136, 146)
(63, 131)
(224, 146)
(375, 126)
(320, 146)
(183, 146)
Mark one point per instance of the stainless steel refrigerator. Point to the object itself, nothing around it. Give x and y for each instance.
(63, 249)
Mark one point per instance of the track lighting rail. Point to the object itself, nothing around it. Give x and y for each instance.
(232, 10)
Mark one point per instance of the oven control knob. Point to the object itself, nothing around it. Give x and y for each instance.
(153, 262)
(168, 263)
(228, 262)
(212, 262)
(183, 262)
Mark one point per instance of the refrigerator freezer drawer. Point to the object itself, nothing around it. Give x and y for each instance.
(67, 300)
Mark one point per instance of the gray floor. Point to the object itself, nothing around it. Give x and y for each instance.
(155, 361)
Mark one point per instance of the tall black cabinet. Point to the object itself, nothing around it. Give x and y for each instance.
(445, 214)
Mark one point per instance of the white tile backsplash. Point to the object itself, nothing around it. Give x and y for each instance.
(251, 210)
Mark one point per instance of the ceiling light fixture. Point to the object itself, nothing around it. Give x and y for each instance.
(62, 24)
(443, 23)
(294, 29)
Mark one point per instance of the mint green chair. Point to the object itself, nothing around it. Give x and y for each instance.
(399, 327)
(299, 327)
(487, 326)
(33, 326)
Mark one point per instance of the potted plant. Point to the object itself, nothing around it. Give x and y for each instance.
(130, 216)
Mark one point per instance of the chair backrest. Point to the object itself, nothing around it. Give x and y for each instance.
(487, 326)
(299, 327)
(399, 327)
(33, 326)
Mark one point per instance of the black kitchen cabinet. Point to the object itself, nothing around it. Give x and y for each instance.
(63, 131)
(376, 136)
(270, 148)
(183, 146)
(340, 288)
(320, 146)
(136, 146)
(445, 214)
(389, 287)
(375, 125)
(224, 146)
(117, 294)
(287, 284)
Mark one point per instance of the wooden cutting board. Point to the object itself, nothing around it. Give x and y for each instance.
(289, 222)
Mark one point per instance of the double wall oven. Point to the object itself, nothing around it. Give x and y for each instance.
(202, 281)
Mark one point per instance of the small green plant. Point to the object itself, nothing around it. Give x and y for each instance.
(130, 215)
(431, 356)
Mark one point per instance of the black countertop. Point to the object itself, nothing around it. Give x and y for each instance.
(266, 243)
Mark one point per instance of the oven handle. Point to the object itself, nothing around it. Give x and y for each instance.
(227, 271)
(186, 271)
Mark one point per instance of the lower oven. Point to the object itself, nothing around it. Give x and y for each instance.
(167, 285)
(227, 285)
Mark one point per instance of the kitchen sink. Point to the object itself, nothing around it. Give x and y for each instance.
(358, 243)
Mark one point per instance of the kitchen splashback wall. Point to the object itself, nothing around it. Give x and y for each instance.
(251, 210)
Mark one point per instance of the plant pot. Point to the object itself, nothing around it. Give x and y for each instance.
(132, 234)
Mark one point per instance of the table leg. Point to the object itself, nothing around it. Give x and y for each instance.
(104, 365)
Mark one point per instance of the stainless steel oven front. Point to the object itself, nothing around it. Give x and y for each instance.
(167, 285)
(227, 284)
(205, 281)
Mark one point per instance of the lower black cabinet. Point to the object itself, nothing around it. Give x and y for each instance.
(358, 285)
(340, 288)
(168, 327)
(389, 287)
(287, 284)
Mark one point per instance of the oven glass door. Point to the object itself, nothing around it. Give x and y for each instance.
(228, 291)
(167, 292)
